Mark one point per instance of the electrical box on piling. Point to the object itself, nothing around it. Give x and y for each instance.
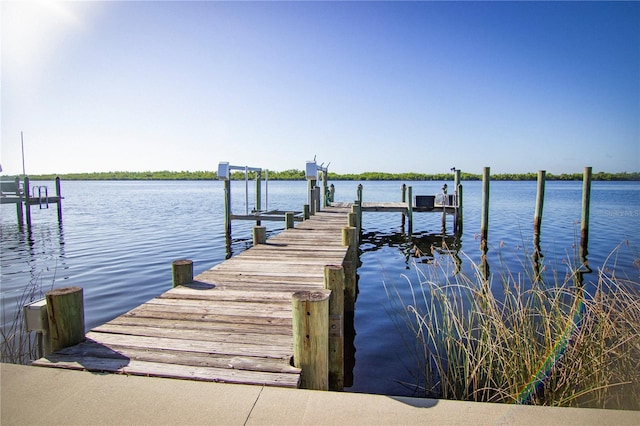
(223, 171)
(312, 170)
(35, 316)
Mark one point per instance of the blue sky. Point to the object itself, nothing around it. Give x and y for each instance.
(367, 86)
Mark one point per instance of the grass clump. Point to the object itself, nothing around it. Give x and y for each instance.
(570, 342)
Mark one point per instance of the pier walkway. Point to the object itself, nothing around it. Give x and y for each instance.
(232, 324)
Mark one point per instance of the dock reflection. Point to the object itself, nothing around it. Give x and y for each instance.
(418, 247)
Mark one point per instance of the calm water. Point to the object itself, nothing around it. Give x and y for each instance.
(117, 240)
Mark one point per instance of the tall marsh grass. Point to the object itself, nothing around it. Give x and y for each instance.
(566, 341)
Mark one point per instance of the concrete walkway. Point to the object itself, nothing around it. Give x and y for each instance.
(38, 396)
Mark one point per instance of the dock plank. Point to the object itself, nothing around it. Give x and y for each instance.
(177, 371)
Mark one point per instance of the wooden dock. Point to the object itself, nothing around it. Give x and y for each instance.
(24, 196)
(399, 207)
(232, 324)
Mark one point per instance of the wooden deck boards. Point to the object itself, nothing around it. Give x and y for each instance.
(232, 324)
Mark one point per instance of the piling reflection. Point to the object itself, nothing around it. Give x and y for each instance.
(420, 247)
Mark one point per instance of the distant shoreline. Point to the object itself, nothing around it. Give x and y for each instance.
(300, 175)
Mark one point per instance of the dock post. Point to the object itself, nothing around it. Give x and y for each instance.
(459, 218)
(410, 208)
(259, 235)
(20, 196)
(318, 198)
(537, 222)
(65, 314)
(484, 223)
(305, 212)
(332, 192)
(445, 198)
(334, 280)
(350, 239)
(227, 208)
(584, 221)
(182, 272)
(311, 337)
(352, 218)
(59, 195)
(457, 189)
(537, 216)
(312, 198)
(359, 206)
(27, 206)
(403, 190)
(288, 219)
(258, 196)
(325, 189)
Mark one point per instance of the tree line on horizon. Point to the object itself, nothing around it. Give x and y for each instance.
(294, 174)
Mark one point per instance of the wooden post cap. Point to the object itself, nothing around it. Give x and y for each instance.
(312, 296)
(63, 291)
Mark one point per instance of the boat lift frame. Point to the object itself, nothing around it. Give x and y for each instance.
(256, 213)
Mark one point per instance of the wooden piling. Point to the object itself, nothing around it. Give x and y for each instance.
(312, 199)
(332, 193)
(20, 195)
(484, 223)
(584, 221)
(227, 208)
(59, 195)
(65, 315)
(410, 208)
(350, 239)
(457, 186)
(325, 189)
(459, 217)
(182, 272)
(311, 337)
(537, 215)
(306, 212)
(258, 195)
(259, 235)
(288, 220)
(537, 223)
(318, 198)
(403, 190)
(27, 205)
(334, 280)
(352, 219)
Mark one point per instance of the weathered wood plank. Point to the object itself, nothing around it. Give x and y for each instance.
(144, 368)
(89, 348)
(145, 311)
(202, 334)
(191, 345)
(223, 308)
(227, 295)
(219, 278)
(213, 325)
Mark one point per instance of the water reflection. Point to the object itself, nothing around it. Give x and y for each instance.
(420, 247)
